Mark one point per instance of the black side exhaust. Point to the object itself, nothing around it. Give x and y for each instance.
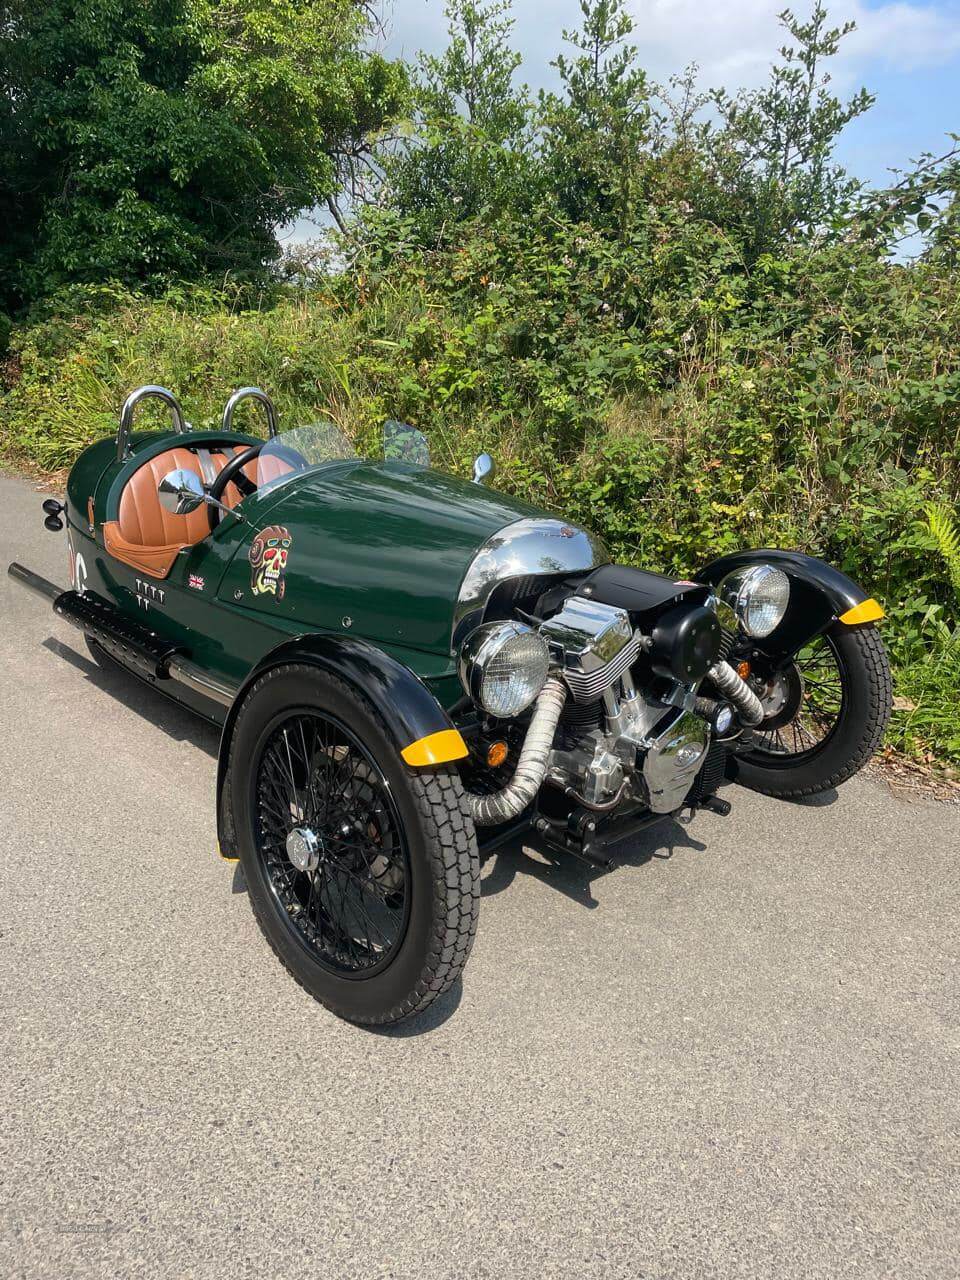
(33, 581)
(130, 643)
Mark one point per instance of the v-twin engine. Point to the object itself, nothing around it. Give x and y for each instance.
(637, 744)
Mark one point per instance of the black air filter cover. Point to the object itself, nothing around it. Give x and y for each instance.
(686, 643)
(637, 591)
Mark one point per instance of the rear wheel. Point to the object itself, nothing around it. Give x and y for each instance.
(363, 874)
(826, 714)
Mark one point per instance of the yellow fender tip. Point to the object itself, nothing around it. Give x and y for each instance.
(865, 611)
(435, 748)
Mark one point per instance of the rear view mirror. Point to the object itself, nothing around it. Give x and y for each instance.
(483, 468)
(180, 492)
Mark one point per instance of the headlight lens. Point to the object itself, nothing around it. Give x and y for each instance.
(503, 666)
(759, 597)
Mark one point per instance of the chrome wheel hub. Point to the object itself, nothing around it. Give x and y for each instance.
(303, 848)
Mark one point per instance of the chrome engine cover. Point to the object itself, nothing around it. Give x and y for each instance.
(590, 767)
(660, 749)
(673, 759)
(656, 744)
(594, 645)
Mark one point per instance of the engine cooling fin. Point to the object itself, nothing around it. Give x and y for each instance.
(711, 775)
(589, 686)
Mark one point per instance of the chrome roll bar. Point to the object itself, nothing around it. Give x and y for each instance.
(250, 393)
(131, 402)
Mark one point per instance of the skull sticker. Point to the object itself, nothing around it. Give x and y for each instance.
(268, 560)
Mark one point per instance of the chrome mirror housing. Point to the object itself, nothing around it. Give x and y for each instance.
(180, 492)
(483, 468)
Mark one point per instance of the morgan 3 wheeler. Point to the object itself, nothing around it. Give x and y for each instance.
(409, 668)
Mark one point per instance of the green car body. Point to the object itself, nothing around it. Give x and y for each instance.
(378, 550)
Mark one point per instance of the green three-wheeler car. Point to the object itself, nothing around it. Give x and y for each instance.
(409, 668)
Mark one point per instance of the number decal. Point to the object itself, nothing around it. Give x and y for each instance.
(79, 574)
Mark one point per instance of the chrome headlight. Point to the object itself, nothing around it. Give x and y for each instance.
(758, 595)
(503, 666)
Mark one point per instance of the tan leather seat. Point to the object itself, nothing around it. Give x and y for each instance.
(148, 537)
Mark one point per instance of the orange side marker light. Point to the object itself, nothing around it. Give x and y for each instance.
(865, 611)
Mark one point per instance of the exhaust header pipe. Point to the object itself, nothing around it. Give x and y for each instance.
(488, 811)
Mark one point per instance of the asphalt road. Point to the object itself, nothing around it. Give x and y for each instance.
(735, 1056)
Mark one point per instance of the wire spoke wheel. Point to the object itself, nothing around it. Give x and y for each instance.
(811, 697)
(362, 872)
(825, 712)
(332, 844)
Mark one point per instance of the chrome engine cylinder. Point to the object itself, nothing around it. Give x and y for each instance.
(594, 645)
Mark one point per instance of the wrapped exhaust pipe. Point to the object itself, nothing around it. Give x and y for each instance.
(739, 693)
(487, 811)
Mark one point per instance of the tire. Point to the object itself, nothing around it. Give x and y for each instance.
(418, 816)
(865, 704)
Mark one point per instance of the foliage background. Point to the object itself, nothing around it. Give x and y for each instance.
(670, 317)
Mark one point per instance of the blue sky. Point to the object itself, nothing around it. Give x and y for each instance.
(906, 52)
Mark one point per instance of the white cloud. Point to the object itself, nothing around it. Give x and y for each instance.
(905, 37)
(733, 42)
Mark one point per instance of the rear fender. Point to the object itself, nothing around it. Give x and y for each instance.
(820, 595)
(422, 731)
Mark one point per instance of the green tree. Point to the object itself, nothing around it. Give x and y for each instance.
(596, 134)
(774, 153)
(470, 151)
(144, 143)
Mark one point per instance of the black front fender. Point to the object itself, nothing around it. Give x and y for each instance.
(422, 731)
(820, 595)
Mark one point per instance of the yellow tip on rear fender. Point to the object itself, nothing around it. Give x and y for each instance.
(435, 748)
(865, 611)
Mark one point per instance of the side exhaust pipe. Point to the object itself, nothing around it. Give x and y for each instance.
(134, 646)
(33, 581)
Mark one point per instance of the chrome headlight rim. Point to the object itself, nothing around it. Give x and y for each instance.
(491, 642)
(751, 589)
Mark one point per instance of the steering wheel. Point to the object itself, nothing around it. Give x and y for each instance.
(233, 471)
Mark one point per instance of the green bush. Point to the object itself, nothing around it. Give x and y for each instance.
(810, 402)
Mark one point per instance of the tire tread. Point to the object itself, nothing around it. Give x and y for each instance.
(872, 728)
(455, 864)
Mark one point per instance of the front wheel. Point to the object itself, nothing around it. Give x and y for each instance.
(363, 874)
(826, 713)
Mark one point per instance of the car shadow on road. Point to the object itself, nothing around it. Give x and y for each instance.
(819, 801)
(174, 720)
(434, 1016)
(573, 877)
